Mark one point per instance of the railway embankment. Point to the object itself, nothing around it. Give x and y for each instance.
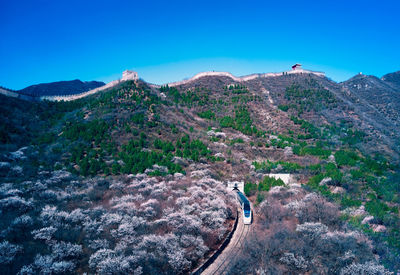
(220, 250)
(227, 253)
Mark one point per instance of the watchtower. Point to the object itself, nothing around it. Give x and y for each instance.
(129, 75)
(296, 66)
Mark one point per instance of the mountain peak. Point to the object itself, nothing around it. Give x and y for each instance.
(70, 87)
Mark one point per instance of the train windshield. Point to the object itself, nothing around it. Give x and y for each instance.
(246, 209)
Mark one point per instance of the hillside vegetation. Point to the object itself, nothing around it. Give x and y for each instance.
(132, 180)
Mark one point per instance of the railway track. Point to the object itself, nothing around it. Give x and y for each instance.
(230, 253)
(224, 267)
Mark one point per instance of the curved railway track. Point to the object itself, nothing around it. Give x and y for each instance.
(222, 263)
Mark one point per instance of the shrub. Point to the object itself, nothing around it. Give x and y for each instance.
(366, 268)
(314, 99)
(284, 108)
(347, 201)
(346, 158)
(353, 137)
(8, 252)
(241, 122)
(96, 130)
(227, 122)
(312, 230)
(115, 168)
(377, 208)
(260, 197)
(207, 114)
(236, 140)
(250, 188)
(333, 172)
(314, 151)
(297, 262)
(268, 182)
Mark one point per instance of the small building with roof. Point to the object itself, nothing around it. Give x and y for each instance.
(296, 66)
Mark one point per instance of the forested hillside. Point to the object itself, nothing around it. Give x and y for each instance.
(133, 179)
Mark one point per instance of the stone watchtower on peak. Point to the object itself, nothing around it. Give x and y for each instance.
(129, 75)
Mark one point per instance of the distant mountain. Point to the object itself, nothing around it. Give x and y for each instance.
(393, 79)
(61, 88)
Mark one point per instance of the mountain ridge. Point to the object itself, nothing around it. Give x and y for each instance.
(60, 88)
(149, 167)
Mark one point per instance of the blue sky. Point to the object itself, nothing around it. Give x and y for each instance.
(44, 41)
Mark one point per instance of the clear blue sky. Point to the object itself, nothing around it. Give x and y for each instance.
(44, 41)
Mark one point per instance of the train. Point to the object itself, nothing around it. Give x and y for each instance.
(246, 209)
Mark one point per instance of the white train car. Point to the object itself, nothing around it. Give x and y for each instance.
(246, 209)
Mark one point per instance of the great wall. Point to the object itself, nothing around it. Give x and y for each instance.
(131, 75)
(244, 78)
